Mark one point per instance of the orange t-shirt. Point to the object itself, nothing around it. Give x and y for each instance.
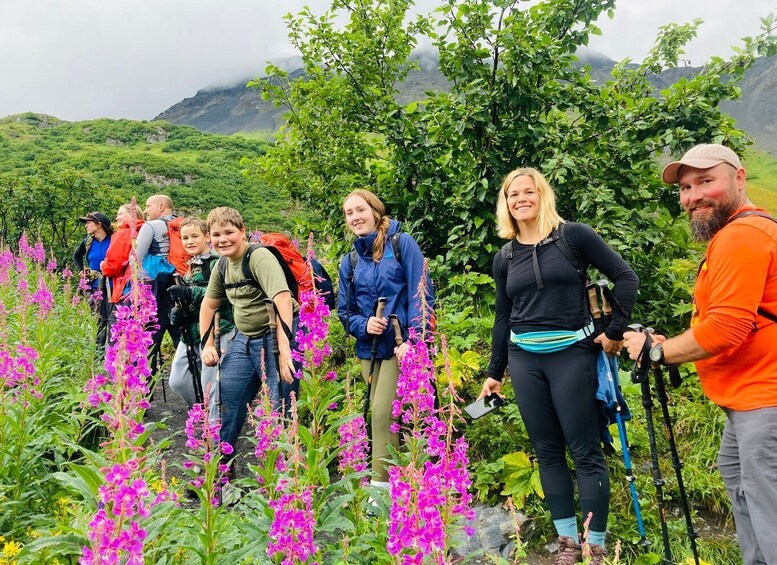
(738, 276)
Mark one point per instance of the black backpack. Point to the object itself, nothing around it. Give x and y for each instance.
(353, 256)
(558, 237)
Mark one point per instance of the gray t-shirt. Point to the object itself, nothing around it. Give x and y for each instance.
(250, 311)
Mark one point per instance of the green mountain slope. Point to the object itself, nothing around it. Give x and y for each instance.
(53, 171)
(762, 179)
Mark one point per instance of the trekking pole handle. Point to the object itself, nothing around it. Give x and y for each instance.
(178, 282)
(378, 314)
(397, 330)
(217, 332)
(606, 306)
(381, 307)
(593, 302)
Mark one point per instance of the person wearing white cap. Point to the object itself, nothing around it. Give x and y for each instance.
(733, 334)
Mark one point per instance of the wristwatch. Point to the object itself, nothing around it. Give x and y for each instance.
(657, 353)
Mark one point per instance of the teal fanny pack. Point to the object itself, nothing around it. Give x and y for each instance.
(550, 342)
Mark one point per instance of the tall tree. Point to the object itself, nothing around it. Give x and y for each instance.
(516, 99)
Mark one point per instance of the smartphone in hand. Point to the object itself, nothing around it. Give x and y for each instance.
(481, 407)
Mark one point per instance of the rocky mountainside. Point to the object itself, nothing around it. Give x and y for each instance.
(236, 108)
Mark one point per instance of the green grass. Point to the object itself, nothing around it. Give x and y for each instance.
(762, 179)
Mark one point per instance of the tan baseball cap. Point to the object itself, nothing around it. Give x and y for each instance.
(704, 156)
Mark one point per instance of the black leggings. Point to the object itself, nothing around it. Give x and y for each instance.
(556, 395)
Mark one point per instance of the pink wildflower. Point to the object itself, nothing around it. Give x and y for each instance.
(43, 298)
(354, 448)
(312, 343)
(291, 531)
(114, 533)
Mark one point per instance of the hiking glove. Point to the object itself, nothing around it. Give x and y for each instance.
(177, 316)
(180, 293)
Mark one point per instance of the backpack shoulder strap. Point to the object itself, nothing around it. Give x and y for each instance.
(353, 258)
(507, 251)
(395, 247)
(246, 265)
(207, 268)
(248, 277)
(566, 249)
(747, 213)
(88, 241)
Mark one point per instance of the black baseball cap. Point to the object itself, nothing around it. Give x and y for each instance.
(98, 217)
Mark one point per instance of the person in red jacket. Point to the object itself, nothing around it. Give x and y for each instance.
(116, 262)
(733, 334)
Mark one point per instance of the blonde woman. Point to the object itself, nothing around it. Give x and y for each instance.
(538, 291)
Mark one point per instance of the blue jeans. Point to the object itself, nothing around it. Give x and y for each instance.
(242, 378)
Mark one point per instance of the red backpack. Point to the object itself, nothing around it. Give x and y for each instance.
(292, 257)
(177, 255)
(298, 274)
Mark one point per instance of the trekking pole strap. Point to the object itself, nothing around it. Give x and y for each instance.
(641, 371)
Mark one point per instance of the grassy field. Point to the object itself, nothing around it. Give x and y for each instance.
(762, 179)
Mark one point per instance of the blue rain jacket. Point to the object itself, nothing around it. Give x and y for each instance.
(360, 289)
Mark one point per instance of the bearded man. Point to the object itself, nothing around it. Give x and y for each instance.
(733, 335)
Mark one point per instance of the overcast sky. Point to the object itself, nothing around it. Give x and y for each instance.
(82, 59)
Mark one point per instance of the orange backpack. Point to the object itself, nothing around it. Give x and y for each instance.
(292, 257)
(296, 270)
(177, 255)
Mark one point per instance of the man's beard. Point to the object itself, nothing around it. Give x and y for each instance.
(704, 227)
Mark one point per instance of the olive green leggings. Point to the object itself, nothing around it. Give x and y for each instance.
(382, 394)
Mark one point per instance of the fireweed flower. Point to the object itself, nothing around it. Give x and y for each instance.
(202, 437)
(268, 430)
(312, 344)
(43, 298)
(7, 262)
(17, 373)
(51, 266)
(114, 532)
(432, 490)
(291, 531)
(416, 528)
(123, 392)
(83, 284)
(36, 253)
(415, 386)
(115, 535)
(354, 448)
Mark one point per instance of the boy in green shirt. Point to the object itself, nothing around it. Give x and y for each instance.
(242, 367)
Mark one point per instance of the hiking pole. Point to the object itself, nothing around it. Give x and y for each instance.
(192, 358)
(217, 345)
(373, 352)
(612, 380)
(270, 305)
(394, 320)
(641, 374)
(663, 400)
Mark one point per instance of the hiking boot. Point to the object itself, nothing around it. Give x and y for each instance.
(568, 553)
(597, 554)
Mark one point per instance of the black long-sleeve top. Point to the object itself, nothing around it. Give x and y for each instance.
(561, 303)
